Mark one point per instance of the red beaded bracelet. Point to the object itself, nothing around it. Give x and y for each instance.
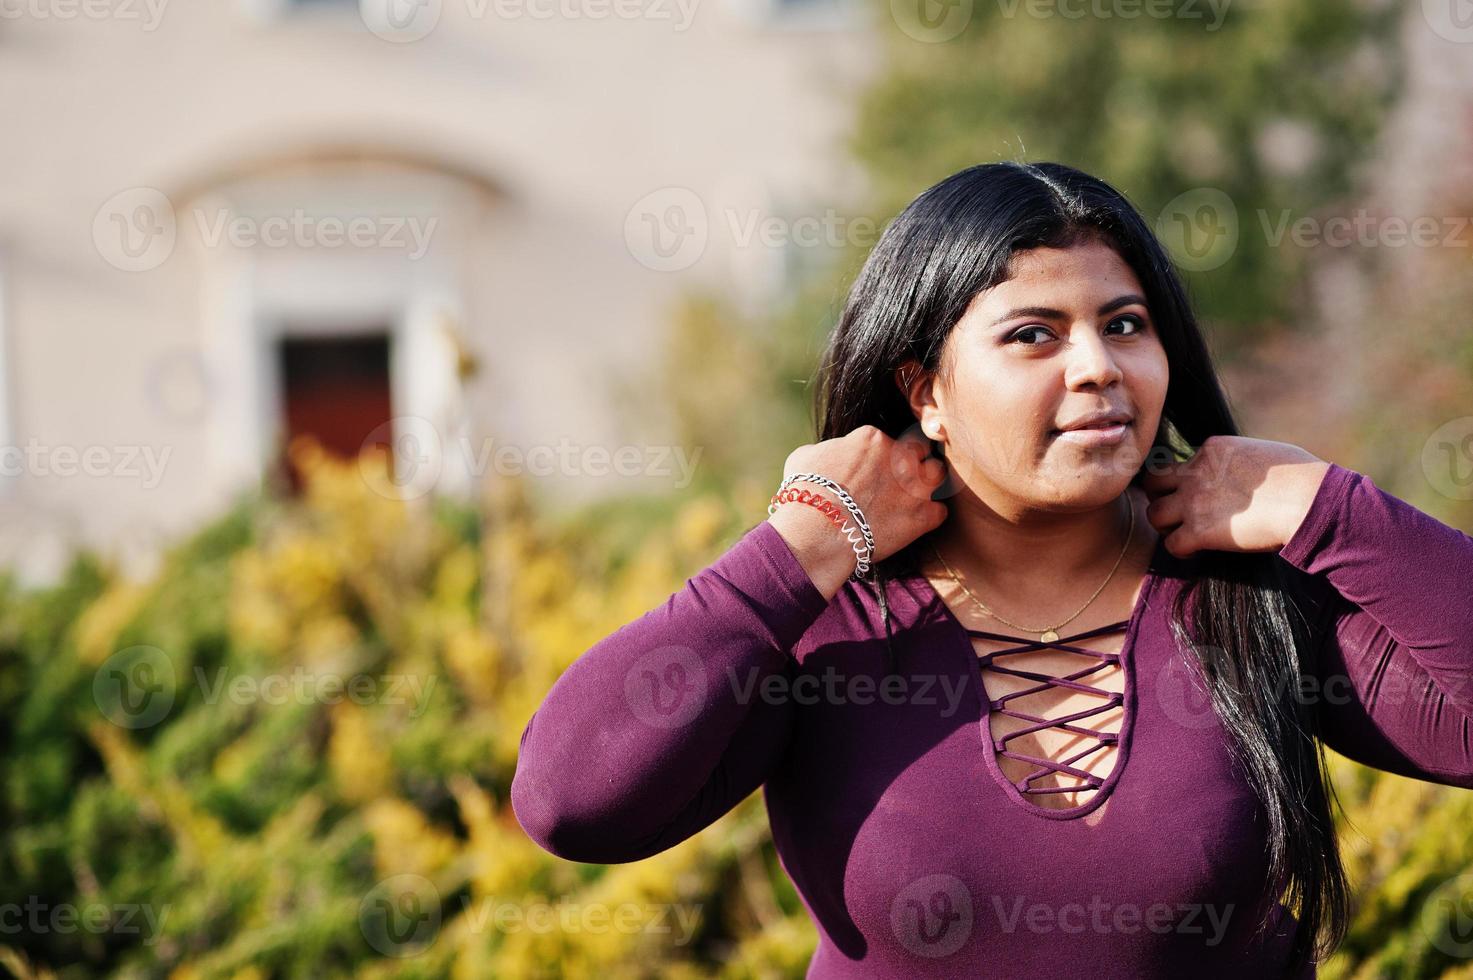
(800, 496)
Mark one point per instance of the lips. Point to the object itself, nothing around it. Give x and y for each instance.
(1098, 420)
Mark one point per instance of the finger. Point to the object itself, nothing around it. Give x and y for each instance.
(1166, 511)
(1180, 542)
(933, 469)
(1161, 480)
(909, 468)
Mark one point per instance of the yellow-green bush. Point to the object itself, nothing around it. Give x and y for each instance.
(290, 837)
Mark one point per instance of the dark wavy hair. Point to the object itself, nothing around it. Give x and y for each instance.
(956, 239)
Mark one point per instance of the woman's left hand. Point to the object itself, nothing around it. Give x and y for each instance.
(1235, 494)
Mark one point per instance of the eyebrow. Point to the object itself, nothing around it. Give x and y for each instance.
(1047, 313)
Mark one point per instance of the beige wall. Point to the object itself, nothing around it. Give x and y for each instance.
(524, 142)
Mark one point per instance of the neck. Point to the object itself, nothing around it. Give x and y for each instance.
(1016, 553)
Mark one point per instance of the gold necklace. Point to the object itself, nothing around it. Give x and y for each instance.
(1048, 634)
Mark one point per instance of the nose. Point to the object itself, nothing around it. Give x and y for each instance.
(1089, 361)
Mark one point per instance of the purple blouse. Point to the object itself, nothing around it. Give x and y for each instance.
(911, 850)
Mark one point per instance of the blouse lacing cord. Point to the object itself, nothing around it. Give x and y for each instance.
(1070, 681)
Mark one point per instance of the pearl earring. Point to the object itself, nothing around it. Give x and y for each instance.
(933, 429)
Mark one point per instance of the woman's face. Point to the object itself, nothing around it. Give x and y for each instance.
(1068, 336)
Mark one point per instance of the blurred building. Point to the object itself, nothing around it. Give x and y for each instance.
(453, 227)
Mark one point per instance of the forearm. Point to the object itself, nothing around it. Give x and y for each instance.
(1407, 573)
(662, 725)
(823, 551)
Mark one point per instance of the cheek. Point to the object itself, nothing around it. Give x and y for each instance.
(1153, 377)
(1008, 415)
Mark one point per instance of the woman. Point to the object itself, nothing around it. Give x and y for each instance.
(984, 756)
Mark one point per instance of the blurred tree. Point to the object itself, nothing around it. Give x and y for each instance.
(1219, 120)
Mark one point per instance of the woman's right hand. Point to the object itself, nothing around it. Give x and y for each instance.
(890, 479)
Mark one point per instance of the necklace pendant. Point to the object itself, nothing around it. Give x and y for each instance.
(1049, 636)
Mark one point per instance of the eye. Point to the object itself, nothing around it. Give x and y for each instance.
(1026, 330)
(1132, 318)
(1140, 323)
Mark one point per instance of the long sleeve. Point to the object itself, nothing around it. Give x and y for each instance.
(1395, 635)
(664, 725)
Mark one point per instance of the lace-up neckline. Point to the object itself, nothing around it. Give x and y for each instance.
(1072, 723)
(1099, 788)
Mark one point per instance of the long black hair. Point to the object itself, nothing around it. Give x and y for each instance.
(1236, 616)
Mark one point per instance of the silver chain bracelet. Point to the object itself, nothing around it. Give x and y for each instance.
(857, 530)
